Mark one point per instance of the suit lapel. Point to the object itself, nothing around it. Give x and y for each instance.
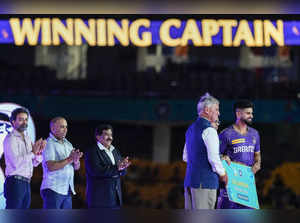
(116, 155)
(103, 156)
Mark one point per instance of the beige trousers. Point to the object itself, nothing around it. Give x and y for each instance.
(199, 198)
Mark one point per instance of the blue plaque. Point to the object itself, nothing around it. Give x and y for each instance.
(241, 186)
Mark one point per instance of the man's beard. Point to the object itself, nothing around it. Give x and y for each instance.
(22, 128)
(248, 122)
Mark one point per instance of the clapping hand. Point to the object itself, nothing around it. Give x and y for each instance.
(76, 155)
(39, 146)
(123, 164)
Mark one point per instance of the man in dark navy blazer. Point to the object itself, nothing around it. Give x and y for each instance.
(104, 166)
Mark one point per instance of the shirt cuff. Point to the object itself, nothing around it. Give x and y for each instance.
(221, 172)
(39, 158)
(76, 163)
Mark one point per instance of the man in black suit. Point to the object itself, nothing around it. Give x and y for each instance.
(104, 166)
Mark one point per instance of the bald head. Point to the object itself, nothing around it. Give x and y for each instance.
(59, 127)
(54, 120)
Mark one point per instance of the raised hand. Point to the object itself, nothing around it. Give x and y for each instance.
(123, 164)
(71, 156)
(77, 155)
(42, 146)
(38, 146)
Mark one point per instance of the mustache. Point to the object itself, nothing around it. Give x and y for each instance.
(23, 127)
(109, 139)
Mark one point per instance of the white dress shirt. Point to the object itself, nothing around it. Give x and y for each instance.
(184, 155)
(19, 158)
(211, 141)
(108, 151)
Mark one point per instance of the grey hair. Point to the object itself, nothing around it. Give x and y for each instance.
(206, 101)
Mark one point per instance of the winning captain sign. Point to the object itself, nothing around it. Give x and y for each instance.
(6, 128)
(143, 32)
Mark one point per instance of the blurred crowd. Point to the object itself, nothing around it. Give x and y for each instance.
(173, 81)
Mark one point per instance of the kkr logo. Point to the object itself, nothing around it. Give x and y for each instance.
(6, 128)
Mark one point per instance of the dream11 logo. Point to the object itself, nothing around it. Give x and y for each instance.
(6, 128)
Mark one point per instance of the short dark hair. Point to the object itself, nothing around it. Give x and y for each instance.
(17, 111)
(241, 104)
(99, 129)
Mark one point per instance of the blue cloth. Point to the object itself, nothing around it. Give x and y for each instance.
(53, 200)
(59, 180)
(17, 193)
(199, 172)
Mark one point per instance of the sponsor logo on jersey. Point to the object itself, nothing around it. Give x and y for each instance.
(237, 141)
(243, 149)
